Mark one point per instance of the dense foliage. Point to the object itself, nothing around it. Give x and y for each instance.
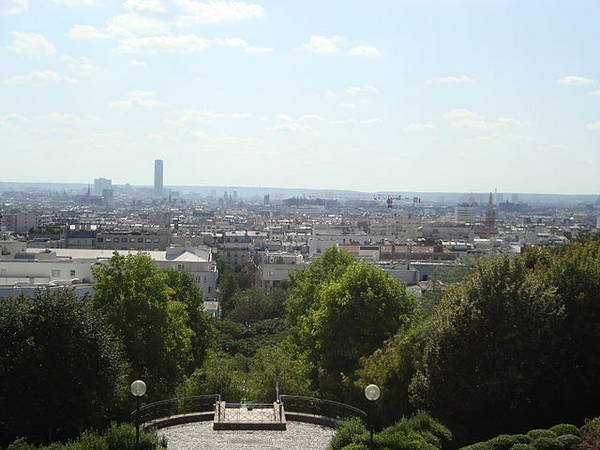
(60, 364)
(156, 314)
(418, 432)
(563, 436)
(116, 437)
(341, 310)
(520, 334)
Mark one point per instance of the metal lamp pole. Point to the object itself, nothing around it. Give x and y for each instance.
(372, 393)
(138, 389)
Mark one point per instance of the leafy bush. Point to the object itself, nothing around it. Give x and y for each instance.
(546, 443)
(21, 444)
(348, 432)
(117, 437)
(568, 440)
(539, 433)
(356, 447)
(418, 432)
(565, 428)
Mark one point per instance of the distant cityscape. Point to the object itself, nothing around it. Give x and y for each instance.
(52, 235)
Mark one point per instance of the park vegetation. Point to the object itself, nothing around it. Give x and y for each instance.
(509, 346)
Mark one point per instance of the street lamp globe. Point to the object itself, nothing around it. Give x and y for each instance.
(138, 388)
(372, 392)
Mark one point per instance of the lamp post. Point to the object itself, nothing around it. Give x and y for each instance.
(372, 393)
(138, 389)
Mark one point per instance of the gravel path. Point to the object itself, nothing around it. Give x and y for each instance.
(200, 435)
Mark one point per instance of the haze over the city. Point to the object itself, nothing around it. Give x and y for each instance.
(371, 95)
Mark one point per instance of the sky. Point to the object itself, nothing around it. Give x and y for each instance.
(370, 95)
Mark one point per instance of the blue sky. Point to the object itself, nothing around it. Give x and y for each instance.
(422, 95)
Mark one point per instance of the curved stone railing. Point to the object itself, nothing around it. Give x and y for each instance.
(318, 411)
(202, 408)
(176, 411)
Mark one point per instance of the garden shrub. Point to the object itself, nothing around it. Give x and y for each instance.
(546, 443)
(568, 440)
(348, 432)
(565, 428)
(538, 433)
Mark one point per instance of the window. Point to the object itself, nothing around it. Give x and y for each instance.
(148, 241)
(72, 273)
(132, 240)
(123, 239)
(55, 273)
(180, 267)
(156, 241)
(100, 239)
(141, 240)
(107, 239)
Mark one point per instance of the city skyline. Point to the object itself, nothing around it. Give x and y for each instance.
(439, 96)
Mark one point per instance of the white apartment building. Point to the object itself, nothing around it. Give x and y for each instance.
(65, 266)
(275, 267)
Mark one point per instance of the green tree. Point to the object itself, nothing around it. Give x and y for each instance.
(343, 310)
(187, 291)
(492, 342)
(279, 366)
(155, 329)
(60, 366)
(222, 374)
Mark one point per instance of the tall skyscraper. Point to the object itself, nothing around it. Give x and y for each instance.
(158, 177)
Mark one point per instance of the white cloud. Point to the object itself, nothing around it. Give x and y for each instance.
(32, 44)
(595, 93)
(364, 50)
(39, 78)
(318, 118)
(61, 117)
(130, 25)
(465, 118)
(294, 126)
(196, 114)
(144, 5)
(330, 93)
(322, 44)
(483, 139)
(240, 43)
(451, 79)
(186, 43)
(362, 90)
(575, 80)
(196, 12)
(259, 49)
(78, 2)
(12, 7)
(232, 42)
(136, 63)
(593, 126)
(419, 127)
(142, 99)
(461, 113)
(347, 105)
(10, 119)
(86, 32)
(80, 66)
(233, 140)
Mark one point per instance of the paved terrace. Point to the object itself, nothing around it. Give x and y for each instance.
(200, 435)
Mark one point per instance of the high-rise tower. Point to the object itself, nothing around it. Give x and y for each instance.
(158, 177)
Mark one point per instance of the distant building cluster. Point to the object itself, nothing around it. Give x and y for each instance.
(52, 237)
